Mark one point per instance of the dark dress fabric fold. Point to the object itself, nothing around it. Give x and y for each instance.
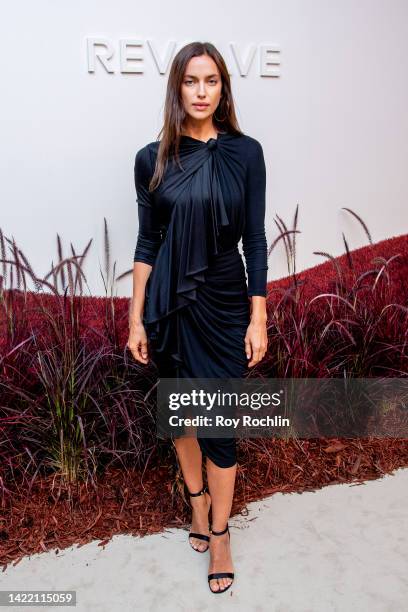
(196, 305)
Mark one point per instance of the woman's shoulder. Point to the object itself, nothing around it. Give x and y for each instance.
(148, 149)
(240, 138)
(251, 141)
(145, 156)
(248, 143)
(250, 148)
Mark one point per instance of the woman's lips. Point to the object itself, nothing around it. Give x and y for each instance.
(201, 106)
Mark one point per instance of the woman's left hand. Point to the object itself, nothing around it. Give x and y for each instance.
(256, 341)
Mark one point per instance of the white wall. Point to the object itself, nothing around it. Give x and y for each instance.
(333, 125)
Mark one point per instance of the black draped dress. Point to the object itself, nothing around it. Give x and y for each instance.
(196, 306)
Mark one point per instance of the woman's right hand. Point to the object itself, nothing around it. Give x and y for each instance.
(137, 342)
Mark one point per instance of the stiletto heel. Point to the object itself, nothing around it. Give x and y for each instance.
(221, 574)
(199, 536)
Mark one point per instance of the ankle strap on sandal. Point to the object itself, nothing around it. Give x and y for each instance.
(203, 490)
(220, 532)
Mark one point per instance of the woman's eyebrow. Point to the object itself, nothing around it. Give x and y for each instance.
(192, 76)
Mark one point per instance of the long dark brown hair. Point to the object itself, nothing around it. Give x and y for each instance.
(224, 118)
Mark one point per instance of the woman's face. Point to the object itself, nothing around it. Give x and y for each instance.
(201, 84)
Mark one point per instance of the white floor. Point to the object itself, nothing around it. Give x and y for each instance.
(343, 548)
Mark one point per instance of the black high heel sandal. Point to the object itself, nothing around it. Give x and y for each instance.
(199, 536)
(221, 574)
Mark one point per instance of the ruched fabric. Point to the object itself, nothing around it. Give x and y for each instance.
(196, 305)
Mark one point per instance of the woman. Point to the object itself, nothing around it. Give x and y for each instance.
(200, 189)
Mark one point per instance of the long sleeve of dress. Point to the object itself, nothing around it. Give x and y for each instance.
(149, 235)
(254, 239)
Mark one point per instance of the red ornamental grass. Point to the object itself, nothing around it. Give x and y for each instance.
(77, 413)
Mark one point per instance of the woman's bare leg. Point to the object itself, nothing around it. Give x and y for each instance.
(190, 459)
(221, 482)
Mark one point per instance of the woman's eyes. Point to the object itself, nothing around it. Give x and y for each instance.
(191, 81)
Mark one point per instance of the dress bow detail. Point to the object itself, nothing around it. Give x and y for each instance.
(184, 255)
